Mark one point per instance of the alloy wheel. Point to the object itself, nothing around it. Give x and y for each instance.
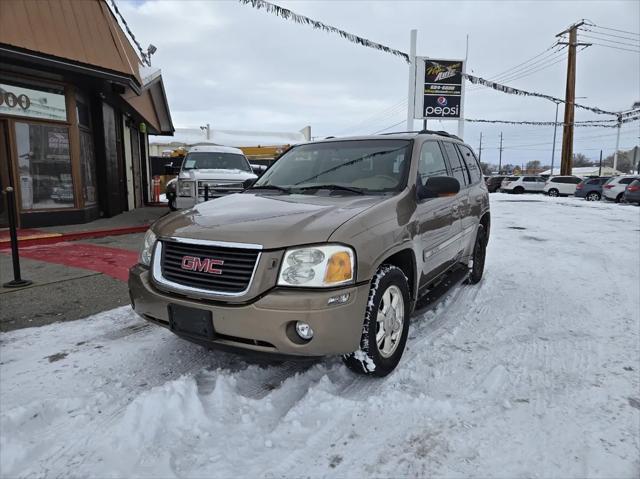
(390, 321)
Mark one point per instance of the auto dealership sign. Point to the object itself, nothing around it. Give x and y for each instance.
(439, 88)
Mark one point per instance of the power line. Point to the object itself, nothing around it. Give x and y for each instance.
(616, 48)
(391, 126)
(613, 29)
(582, 35)
(376, 117)
(559, 59)
(610, 35)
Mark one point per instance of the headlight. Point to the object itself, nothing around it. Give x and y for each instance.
(147, 247)
(317, 266)
(185, 188)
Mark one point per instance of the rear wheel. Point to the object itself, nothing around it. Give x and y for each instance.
(479, 256)
(619, 198)
(386, 324)
(593, 196)
(553, 192)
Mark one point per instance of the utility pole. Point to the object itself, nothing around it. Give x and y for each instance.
(570, 98)
(480, 148)
(500, 161)
(635, 162)
(555, 129)
(600, 167)
(411, 107)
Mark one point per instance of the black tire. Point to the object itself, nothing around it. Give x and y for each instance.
(172, 205)
(593, 196)
(619, 198)
(368, 359)
(479, 256)
(518, 190)
(553, 192)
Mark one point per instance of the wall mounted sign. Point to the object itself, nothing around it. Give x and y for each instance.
(28, 102)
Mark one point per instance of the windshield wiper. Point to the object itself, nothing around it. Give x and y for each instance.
(270, 187)
(351, 189)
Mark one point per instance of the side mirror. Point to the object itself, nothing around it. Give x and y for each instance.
(258, 169)
(248, 183)
(438, 186)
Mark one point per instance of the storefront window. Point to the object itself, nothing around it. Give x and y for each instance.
(44, 166)
(88, 165)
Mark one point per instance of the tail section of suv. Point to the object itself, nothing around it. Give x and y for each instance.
(522, 184)
(591, 188)
(613, 189)
(326, 254)
(561, 185)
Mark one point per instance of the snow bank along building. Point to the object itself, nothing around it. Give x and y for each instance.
(76, 106)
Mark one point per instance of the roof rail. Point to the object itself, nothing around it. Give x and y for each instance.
(441, 133)
(426, 132)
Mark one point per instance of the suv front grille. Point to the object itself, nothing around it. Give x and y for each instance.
(229, 269)
(219, 188)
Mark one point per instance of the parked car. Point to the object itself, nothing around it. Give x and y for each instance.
(632, 192)
(591, 188)
(326, 254)
(613, 190)
(561, 185)
(494, 182)
(522, 184)
(210, 172)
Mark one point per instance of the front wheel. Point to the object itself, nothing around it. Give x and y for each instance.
(619, 198)
(553, 192)
(518, 190)
(386, 324)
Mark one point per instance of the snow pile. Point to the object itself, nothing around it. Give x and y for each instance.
(532, 373)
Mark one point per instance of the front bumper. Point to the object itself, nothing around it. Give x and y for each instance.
(267, 324)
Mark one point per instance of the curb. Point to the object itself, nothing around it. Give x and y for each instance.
(51, 238)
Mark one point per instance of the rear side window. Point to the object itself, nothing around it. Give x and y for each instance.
(513, 178)
(575, 181)
(602, 181)
(459, 171)
(472, 164)
(626, 181)
(556, 180)
(431, 161)
(530, 179)
(593, 182)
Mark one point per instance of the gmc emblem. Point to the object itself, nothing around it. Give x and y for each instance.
(206, 265)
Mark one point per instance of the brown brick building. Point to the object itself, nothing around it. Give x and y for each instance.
(76, 106)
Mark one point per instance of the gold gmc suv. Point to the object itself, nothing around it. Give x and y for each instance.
(325, 254)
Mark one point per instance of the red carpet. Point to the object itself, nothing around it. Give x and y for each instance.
(114, 262)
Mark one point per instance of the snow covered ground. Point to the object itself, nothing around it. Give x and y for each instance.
(532, 373)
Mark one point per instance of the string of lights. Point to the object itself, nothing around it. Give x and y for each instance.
(143, 55)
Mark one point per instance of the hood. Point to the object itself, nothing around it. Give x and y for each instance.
(273, 221)
(206, 174)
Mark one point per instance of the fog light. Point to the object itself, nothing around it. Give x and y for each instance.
(340, 299)
(304, 330)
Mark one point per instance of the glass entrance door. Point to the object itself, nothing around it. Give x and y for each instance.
(5, 177)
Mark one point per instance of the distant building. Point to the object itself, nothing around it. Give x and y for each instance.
(586, 171)
(76, 106)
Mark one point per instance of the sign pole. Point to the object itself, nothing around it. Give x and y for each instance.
(17, 281)
(411, 106)
(462, 88)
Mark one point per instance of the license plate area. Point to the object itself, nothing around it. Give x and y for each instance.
(193, 322)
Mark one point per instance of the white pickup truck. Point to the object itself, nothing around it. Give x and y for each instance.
(209, 172)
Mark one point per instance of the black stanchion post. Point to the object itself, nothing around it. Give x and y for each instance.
(11, 210)
(206, 192)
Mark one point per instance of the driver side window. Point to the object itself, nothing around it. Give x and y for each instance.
(431, 162)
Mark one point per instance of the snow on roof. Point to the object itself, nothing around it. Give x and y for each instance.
(215, 149)
(237, 138)
(586, 171)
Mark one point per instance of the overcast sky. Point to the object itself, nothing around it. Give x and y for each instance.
(235, 67)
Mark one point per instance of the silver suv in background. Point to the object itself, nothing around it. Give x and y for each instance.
(211, 172)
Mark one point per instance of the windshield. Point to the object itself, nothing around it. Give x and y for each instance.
(376, 166)
(208, 160)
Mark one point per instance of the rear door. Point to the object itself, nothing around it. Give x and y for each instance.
(531, 183)
(438, 218)
(476, 193)
(461, 173)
